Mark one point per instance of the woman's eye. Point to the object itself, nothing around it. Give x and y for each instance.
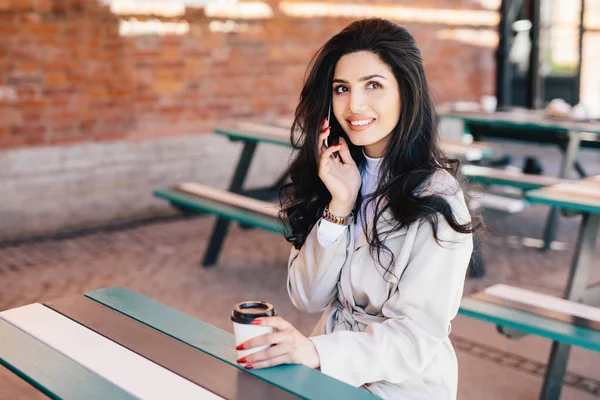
(374, 85)
(341, 89)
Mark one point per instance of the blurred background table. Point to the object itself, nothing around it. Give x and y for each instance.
(584, 197)
(533, 127)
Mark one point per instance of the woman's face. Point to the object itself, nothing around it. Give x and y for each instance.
(366, 100)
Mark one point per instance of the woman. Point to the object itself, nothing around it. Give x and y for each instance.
(382, 236)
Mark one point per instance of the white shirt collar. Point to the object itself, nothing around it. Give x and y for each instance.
(372, 165)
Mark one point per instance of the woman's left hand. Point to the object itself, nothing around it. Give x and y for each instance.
(288, 346)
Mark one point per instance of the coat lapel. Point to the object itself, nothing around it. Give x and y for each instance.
(385, 223)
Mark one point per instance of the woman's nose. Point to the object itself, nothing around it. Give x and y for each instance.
(357, 102)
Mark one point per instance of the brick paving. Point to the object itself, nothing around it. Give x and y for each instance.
(161, 260)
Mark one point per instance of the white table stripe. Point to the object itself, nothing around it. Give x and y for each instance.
(126, 369)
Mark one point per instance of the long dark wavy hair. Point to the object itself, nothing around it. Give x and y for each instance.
(412, 155)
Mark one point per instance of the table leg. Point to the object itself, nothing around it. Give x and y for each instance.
(216, 242)
(241, 171)
(582, 257)
(222, 225)
(576, 291)
(555, 372)
(565, 170)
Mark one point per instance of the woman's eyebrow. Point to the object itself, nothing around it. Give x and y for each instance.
(364, 78)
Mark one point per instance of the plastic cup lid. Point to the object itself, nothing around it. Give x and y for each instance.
(245, 312)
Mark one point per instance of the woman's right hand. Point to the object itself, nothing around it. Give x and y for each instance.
(339, 174)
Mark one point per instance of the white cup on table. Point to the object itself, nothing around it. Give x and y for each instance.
(242, 316)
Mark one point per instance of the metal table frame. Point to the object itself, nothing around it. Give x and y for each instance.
(237, 186)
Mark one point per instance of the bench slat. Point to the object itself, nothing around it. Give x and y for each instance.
(531, 323)
(232, 199)
(226, 211)
(544, 301)
(486, 175)
(480, 200)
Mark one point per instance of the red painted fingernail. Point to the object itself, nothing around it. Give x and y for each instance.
(241, 360)
(256, 322)
(240, 347)
(248, 366)
(325, 129)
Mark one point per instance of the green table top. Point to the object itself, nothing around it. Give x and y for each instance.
(523, 119)
(279, 135)
(302, 381)
(51, 372)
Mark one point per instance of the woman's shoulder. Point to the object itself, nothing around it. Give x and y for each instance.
(442, 183)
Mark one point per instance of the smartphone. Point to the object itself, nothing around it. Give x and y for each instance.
(331, 140)
(329, 124)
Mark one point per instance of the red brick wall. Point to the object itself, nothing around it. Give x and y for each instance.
(73, 78)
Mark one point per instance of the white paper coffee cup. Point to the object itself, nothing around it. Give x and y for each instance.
(242, 316)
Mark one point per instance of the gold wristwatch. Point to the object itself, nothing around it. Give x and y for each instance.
(335, 218)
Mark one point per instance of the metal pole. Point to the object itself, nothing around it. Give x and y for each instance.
(581, 33)
(503, 81)
(534, 97)
(566, 167)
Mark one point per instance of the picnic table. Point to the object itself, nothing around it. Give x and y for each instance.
(534, 127)
(114, 343)
(584, 197)
(571, 321)
(252, 134)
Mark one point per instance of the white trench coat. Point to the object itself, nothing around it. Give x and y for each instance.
(394, 341)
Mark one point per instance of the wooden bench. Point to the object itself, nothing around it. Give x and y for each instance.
(517, 312)
(537, 314)
(519, 180)
(507, 202)
(229, 206)
(246, 210)
(499, 203)
(504, 202)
